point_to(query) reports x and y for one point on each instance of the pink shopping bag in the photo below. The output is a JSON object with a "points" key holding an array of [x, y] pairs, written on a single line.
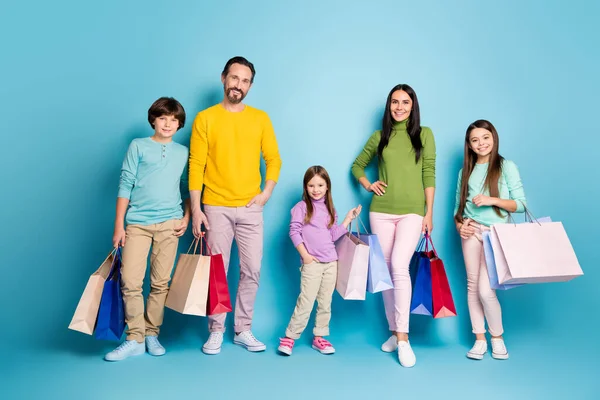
{"points": [[353, 267], [533, 253]]}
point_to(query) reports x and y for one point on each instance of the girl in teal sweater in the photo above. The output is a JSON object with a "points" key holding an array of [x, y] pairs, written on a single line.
{"points": [[488, 187]]}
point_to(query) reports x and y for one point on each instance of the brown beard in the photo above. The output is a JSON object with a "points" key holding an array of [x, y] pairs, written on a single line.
{"points": [[235, 100]]}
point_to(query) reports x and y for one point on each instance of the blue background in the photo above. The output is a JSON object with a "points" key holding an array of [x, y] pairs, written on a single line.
{"points": [[77, 79]]}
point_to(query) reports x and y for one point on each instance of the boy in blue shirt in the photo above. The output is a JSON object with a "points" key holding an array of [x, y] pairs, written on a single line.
{"points": [[153, 184]]}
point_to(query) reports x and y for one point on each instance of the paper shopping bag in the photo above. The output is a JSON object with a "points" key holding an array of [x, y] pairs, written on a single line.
{"points": [[353, 267], [86, 313], [443, 304], [533, 253], [219, 300], [188, 293], [422, 298], [491, 263]]}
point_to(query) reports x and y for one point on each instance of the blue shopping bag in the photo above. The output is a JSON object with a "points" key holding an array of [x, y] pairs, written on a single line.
{"points": [[420, 268], [491, 264], [111, 315], [378, 278]]}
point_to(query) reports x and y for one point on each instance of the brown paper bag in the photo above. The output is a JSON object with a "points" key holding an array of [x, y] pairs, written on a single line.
{"points": [[188, 293], [84, 319]]}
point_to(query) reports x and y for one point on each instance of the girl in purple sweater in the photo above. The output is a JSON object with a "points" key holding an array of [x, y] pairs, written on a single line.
{"points": [[313, 231]]}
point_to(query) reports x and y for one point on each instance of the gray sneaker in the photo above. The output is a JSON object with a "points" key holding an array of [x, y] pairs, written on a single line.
{"points": [[126, 349], [154, 347]]}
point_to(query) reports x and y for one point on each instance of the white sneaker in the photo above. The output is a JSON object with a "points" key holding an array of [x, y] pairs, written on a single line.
{"points": [[478, 350], [213, 344], [406, 356], [126, 349], [390, 345], [154, 347], [248, 340], [499, 351]]}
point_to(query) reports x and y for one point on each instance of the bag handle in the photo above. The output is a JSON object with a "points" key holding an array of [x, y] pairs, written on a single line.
{"points": [[528, 215], [429, 241], [113, 251], [114, 267], [420, 245], [197, 241], [357, 229]]}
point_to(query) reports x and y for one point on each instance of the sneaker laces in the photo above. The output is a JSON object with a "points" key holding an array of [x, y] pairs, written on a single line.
{"points": [[498, 346], [478, 346], [124, 346], [214, 338], [250, 336], [152, 341]]}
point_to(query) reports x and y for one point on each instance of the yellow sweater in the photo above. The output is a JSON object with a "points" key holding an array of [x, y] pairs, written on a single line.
{"points": [[225, 151]]}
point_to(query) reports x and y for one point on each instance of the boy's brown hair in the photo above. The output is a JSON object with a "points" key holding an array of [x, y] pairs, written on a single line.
{"points": [[166, 106]]}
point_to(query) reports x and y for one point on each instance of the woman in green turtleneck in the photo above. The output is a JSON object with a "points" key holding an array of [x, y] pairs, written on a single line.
{"points": [[402, 205]]}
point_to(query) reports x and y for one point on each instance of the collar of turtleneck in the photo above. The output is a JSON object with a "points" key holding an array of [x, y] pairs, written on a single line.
{"points": [[400, 126], [320, 201]]}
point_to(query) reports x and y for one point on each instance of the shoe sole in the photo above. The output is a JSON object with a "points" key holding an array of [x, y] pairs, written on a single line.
{"points": [[156, 353], [139, 353], [285, 350], [406, 365], [474, 356], [211, 352], [500, 356], [389, 351], [252, 349], [326, 352]]}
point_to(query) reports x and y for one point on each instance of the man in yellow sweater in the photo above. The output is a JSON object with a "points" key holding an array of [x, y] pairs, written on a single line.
{"points": [[226, 145]]}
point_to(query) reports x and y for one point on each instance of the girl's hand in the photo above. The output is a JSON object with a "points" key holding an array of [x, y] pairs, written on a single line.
{"points": [[465, 230], [427, 224], [377, 187], [481, 200], [182, 227], [119, 237], [353, 213], [308, 260]]}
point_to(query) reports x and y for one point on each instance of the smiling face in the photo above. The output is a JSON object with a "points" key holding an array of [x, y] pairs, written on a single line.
{"points": [[165, 127], [481, 142], [316, 188], [400, 105], [237, 83]]}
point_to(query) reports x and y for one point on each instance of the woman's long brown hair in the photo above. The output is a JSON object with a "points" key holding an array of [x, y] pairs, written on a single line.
{"points": [[470, 159], [313, 171]]}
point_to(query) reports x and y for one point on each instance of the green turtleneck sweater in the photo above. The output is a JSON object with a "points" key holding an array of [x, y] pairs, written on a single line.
{"points": [[406, 180]]}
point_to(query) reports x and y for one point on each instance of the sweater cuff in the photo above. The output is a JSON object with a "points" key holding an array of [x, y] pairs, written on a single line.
{"points": [[124, 193], [429, 182], [296, 239], [520, 206]]}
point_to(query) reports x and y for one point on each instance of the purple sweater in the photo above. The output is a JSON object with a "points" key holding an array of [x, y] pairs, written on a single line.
{"points": [[316, 236]]}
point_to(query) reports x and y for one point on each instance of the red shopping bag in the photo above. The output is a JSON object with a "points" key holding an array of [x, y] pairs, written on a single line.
{"points": [[443, 304], [219, 300]]}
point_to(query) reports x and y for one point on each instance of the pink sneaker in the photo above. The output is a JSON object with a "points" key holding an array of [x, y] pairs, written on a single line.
{"points": [[286, 345], [322, 346]]}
